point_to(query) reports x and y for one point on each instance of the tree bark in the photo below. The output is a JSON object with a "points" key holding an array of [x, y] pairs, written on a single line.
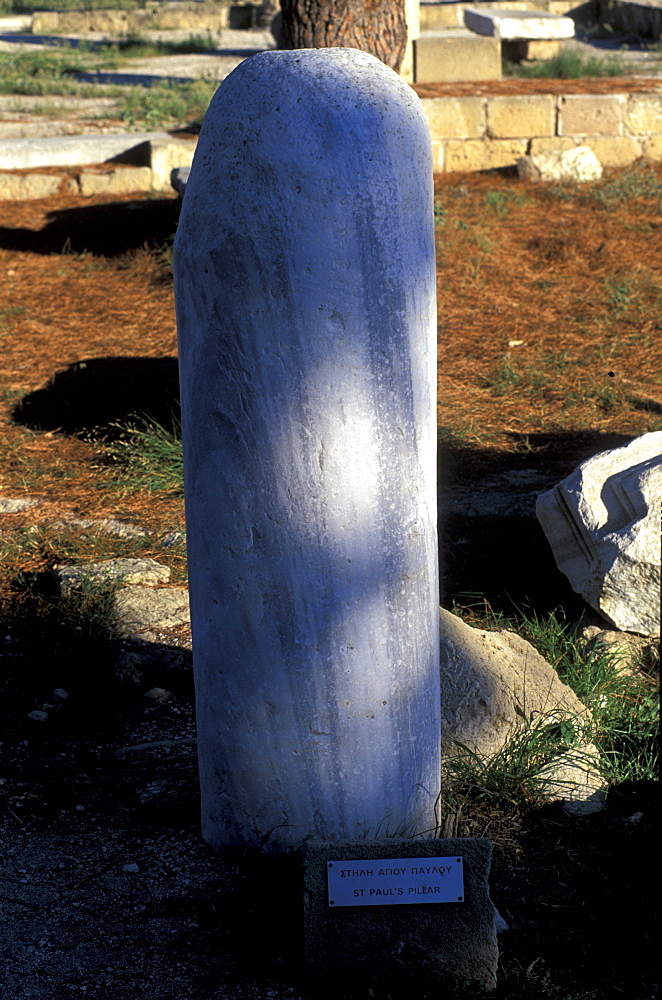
{"points": [[375, 26]]}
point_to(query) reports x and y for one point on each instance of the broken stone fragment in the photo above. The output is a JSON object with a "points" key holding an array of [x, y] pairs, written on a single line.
{"points": [[578, 164], [603, 525]]}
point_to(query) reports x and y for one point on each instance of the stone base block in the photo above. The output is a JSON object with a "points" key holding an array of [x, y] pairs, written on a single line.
{"points": [[28, 187], [400, 946], [477, 154], [121, 181], [456, 54]]}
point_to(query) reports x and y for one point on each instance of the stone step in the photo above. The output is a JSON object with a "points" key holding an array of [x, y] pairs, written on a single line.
{"points": [[515, 25], [454, 54]]}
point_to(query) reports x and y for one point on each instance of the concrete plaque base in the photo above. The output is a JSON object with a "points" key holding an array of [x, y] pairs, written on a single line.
{"points": [[431, 944]]}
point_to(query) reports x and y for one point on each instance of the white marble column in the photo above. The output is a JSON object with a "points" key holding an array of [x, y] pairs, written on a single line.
{"points": [[305, 291]]}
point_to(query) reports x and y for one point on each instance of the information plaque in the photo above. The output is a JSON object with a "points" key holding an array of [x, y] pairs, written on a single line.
{"points": [[388, 881]]}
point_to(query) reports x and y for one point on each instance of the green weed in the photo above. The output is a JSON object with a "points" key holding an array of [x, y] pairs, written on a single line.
{"points": [[567, 65], [149, 456]]}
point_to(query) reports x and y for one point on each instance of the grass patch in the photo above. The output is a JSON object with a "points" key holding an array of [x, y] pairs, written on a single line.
{"points": [[567, 65], [149, 456], [624, 706], [166, 102]]}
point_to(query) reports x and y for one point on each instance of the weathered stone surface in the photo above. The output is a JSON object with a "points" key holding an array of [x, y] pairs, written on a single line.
{"points": [[603, 525], [144, 607], [456, 54], [514, 117], [515, 24], [123, 180], [431, 945], [145, 572], [306, 308], [591, 114], [29, 187], [493, 683], [577, 164], [166, 156]]}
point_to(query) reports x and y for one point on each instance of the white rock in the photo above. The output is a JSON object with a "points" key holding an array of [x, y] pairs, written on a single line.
{"points": [[146, 572], [603, 524], [578, 164], [495, 683]]}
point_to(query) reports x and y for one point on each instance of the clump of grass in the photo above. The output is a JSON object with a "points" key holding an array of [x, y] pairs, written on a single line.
{"points": [[567, 65], [149, 456], [165, 102], [134, 46], [502, 201], [624, 705], [523, 771]]}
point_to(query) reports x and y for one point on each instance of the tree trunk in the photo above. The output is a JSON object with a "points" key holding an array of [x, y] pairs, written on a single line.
{"points": [[375, 26]]}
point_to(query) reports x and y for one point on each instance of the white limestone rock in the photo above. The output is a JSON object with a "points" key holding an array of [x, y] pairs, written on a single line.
{"points": [[146, 572], [494, 684], [578, 164], [603, 524]]}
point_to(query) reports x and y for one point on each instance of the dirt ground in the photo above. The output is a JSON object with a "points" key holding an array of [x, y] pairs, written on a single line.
{"points": [[549, 351]]}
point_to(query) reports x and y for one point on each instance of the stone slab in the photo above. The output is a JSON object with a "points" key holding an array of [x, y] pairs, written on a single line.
{"points": [[455, 54], [431, 944], [509, 24], [73, 150]]}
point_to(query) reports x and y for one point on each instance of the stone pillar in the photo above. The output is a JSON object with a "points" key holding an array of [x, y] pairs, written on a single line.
{"points": [[305, 291]]}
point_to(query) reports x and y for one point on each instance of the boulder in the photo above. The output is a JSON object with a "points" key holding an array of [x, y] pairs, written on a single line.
{"points": [[143, 607], [494, 685], [603, 524], [578, 164]]}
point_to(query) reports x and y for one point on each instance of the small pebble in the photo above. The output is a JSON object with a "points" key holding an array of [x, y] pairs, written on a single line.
{"points": [[131, 868], [38, 716]]}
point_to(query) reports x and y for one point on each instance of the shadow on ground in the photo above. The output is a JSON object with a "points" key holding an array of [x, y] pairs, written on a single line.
{"points": [[106, 230], [502, 554]]}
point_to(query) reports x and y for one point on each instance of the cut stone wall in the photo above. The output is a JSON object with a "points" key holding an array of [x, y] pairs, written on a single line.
{"points": [[481, 133]]}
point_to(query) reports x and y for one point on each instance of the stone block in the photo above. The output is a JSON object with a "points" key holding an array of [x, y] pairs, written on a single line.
{"points": [[556, 144], [441, 15], [577, 164], [643, 114], [603, 525], [27, 187], [120, 181], [516, 24], [591, 114], [516, 117], [165, 155], [76, 150], [456, 54], [615, 152], [429, 945], [455, 117], [142, 607], [652, 148], [486, 154]]}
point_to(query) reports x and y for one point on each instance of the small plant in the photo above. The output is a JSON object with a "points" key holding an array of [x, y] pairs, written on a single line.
{"points": [[150, 455], [567, 65]]}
